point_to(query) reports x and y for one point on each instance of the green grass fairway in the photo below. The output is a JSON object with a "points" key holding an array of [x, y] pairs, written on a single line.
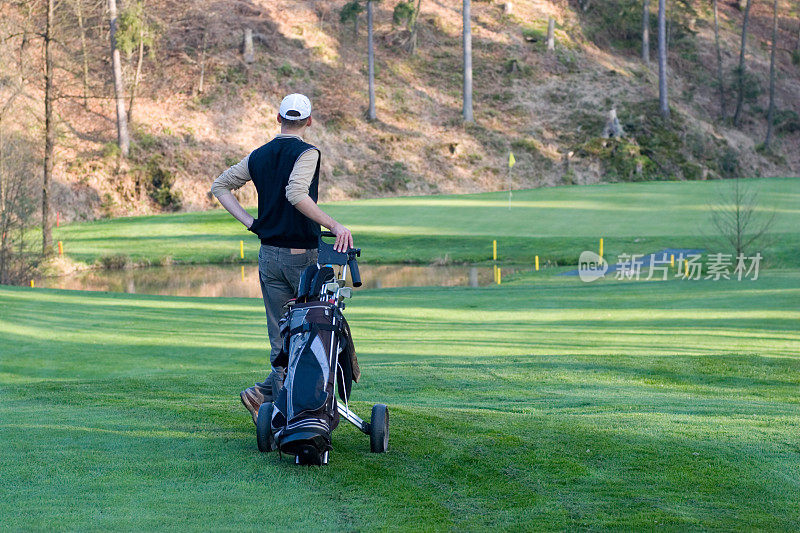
{"points": [[554, 223], [556, 405]]}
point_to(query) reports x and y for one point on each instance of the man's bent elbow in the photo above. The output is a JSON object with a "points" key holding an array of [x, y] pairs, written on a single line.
{"points": [[296, 197]]}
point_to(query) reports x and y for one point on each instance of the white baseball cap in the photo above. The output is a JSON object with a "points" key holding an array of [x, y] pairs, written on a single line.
{"points": [[295, 107]]}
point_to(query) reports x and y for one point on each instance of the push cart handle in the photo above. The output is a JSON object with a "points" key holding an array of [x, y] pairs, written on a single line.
{"points": [[355, 275]]}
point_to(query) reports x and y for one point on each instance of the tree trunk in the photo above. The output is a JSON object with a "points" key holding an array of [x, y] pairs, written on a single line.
{"points": [[467, 35], [123, 139], [737, 117], [355, 26], [201, 85], [85, 56], [136, 76], [551, 38], [248, 50], [720, 78], [646, 32], [771, 112], [412, 42], [50, 134], [663, 96], [371, 62]]}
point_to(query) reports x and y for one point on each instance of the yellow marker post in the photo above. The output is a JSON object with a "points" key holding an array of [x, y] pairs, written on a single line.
{"points": [[31, 284], [601, 248], [242, 272], [672, 260], [241, 249], [537, 263], [499, 276], [494, 273], [60, 248], [494, 250], [685, 268]]}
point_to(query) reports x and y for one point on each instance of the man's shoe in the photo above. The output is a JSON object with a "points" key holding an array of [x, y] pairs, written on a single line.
{"points": [[252, 399]]}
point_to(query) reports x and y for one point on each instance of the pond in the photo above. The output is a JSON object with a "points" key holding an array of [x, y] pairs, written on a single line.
{"points": [[238, 281]]}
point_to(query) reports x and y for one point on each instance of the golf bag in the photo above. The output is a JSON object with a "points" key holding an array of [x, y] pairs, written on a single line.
{"points": [[317, 351]]}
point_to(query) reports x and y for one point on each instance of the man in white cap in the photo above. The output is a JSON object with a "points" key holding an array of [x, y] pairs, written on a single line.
{"points": [[285, 172]]}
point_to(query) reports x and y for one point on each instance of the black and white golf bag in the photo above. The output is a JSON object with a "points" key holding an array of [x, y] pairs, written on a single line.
{"points": [[317, 352]]}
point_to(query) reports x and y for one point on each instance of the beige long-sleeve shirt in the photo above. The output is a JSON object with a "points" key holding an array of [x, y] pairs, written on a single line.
{"points": [[299, 180]]}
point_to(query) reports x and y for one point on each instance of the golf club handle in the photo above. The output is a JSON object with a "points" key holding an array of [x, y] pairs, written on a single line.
{"points": [[355, 275], [328, 234]]}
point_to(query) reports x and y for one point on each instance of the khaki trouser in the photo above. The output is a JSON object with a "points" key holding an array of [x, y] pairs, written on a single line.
{"points": [[279, 273]]}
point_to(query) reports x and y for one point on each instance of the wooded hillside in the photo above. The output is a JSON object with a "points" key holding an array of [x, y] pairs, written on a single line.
{"points": [[203, 98]]}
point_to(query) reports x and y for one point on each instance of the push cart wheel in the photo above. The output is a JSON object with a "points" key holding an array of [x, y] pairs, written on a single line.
{"points": [[264, 427], [379, 429]]}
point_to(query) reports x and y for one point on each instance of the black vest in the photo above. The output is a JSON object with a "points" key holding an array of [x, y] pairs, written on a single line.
{"points": [[279, 223]]}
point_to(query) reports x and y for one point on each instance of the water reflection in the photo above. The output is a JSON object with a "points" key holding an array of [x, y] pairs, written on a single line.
{"points": [[238, 281]]}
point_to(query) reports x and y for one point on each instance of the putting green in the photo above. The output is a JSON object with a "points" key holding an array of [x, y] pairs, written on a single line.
{"points": [[539, 404]]}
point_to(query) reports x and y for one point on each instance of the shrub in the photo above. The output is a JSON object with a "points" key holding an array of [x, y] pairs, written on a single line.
{"points": [[394, 178], [403, 13], [159, 184], [350, 11], [114, 262]]}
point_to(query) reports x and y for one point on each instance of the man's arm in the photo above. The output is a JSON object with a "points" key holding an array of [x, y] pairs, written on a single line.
{"points": [[233, 178], [297, 194], [343, 237]]}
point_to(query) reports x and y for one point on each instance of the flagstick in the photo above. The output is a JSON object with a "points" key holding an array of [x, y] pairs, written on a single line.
{"points": [[511, 162], [509, 189]]}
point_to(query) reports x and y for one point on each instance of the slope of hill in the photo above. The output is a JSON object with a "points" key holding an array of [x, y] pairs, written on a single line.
{"points": [[548, 108]]}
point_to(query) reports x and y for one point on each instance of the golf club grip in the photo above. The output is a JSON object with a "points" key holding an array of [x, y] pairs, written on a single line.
{"points": [[328, 234], [352, 264]]}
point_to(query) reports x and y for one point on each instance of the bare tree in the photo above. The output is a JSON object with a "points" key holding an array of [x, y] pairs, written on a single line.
{"points": [[646, 32], [740, 71], [551, 38], [84, 53], [720, 78], [49, 128], [371, 62], [18, 251], [412, 40], [738, 217], [467, 38], [136, 34], [771, 112], [123, 138], [663, 97]]}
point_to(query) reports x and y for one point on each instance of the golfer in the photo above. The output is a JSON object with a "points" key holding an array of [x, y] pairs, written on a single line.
{"points": [[285, 172]]}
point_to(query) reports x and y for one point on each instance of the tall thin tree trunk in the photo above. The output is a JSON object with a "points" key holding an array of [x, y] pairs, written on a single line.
{"points": [[720, 78], [646, 32], [201, 85], [49, 128], [123, 138], [467, 37], [248, 49], [412, 42], [663, 96], [771, 112], [551, 38], [355, 26], [371, 62], [85, 56], [737, 116], [136, 76]]}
